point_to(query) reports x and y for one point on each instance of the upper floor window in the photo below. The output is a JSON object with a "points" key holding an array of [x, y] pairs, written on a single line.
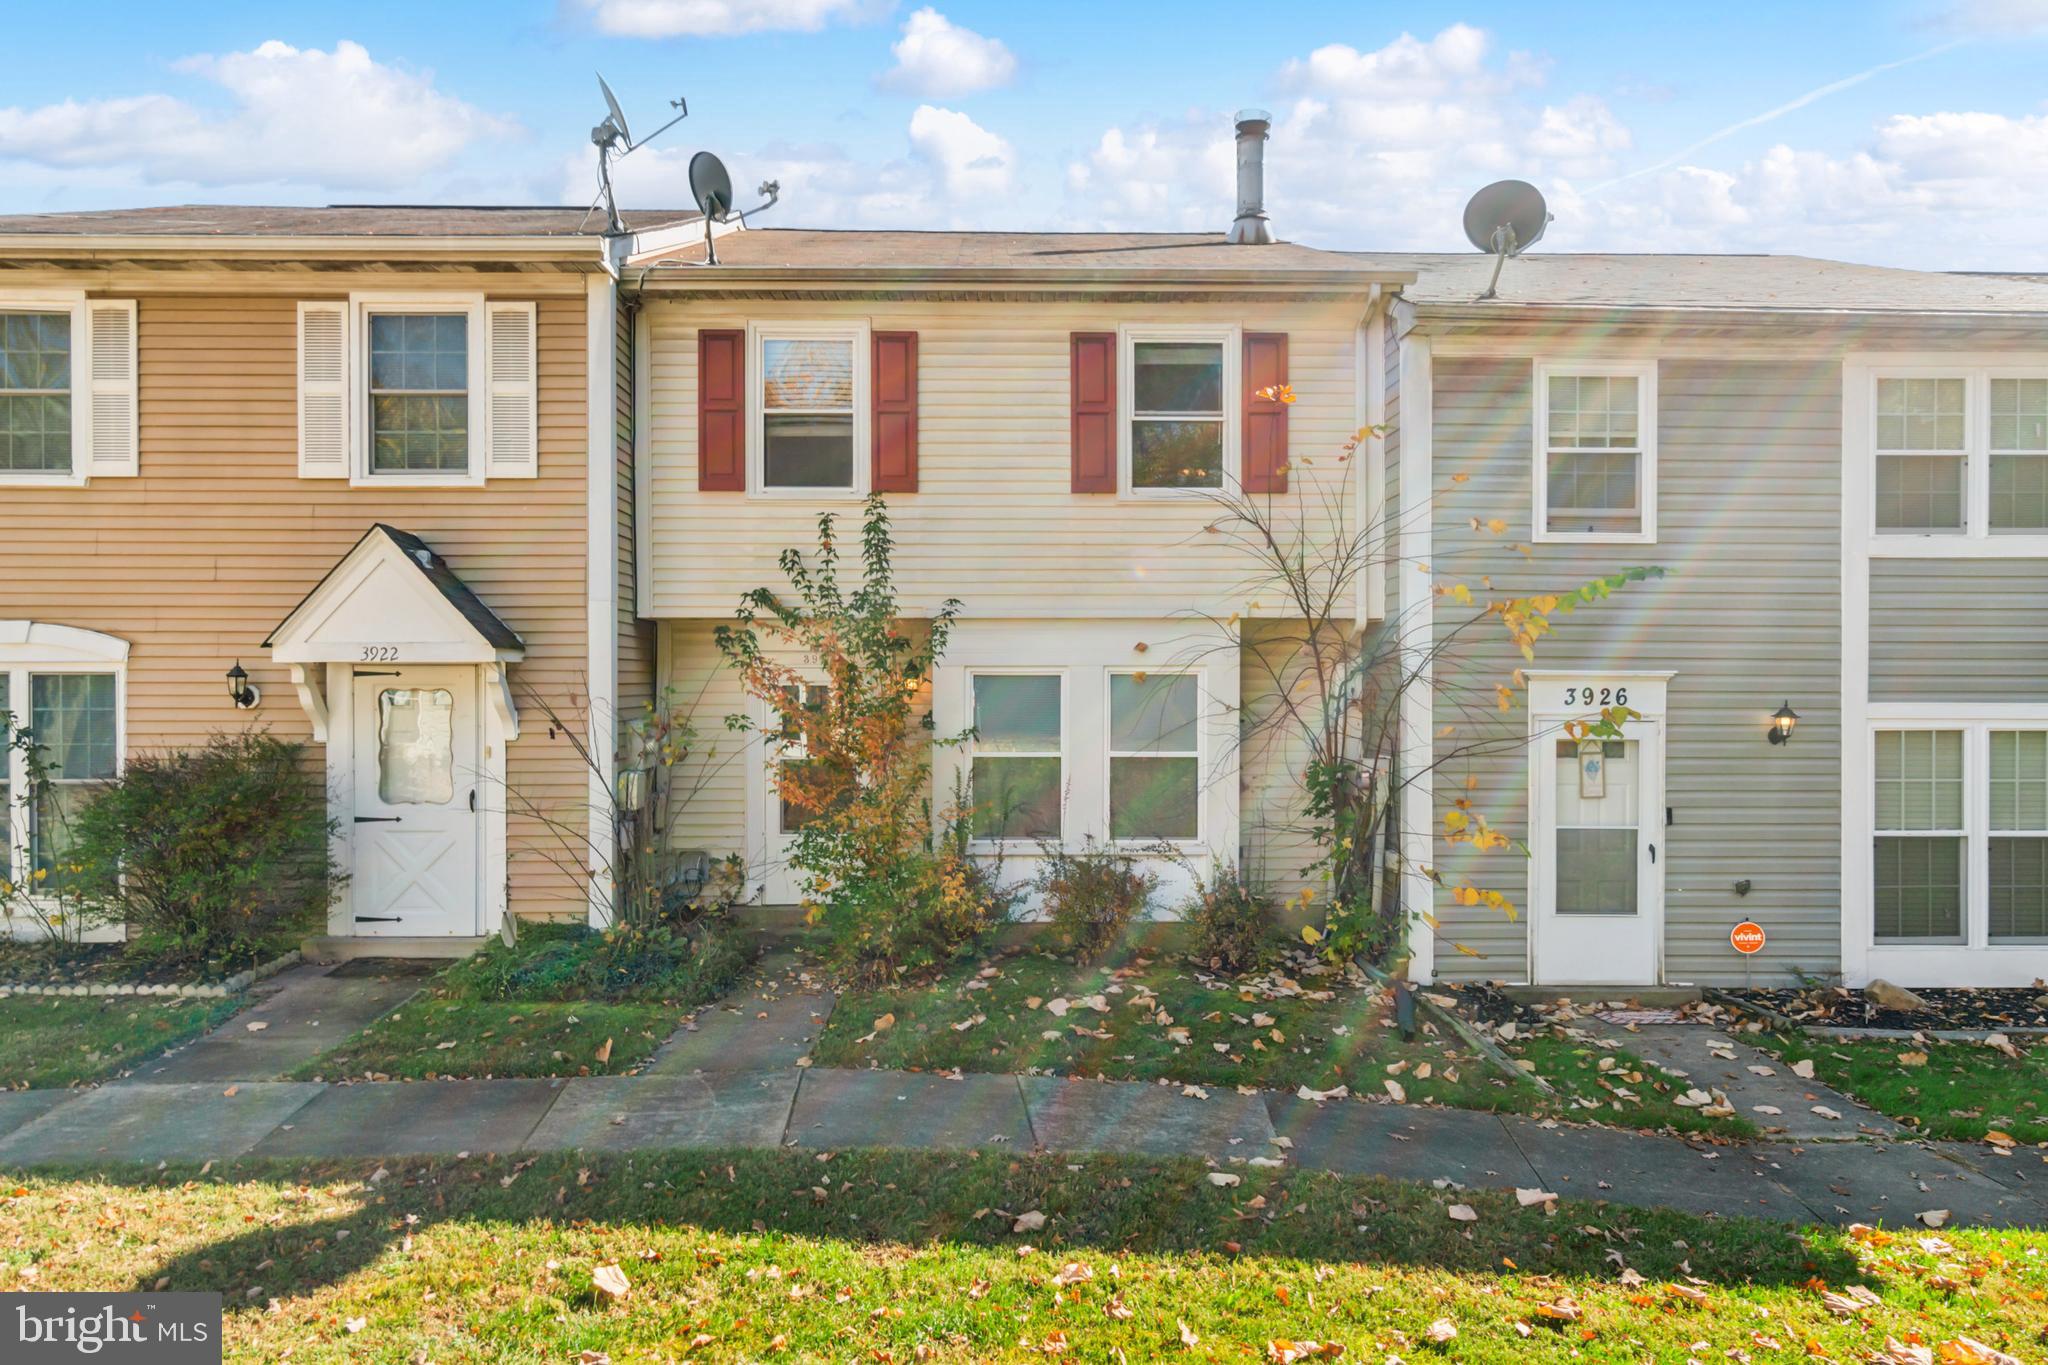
{"points": [[419, 392], [1596, 453], [1957, 455], [1181, 407], [35, 392], [810, 405]]}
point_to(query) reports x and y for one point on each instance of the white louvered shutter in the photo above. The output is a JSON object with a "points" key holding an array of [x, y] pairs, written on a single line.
{"points": [[109, 399], [511, 369], [323, 391]]}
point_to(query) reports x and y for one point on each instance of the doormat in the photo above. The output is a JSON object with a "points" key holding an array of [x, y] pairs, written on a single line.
{"points": [[1627, 1017]]}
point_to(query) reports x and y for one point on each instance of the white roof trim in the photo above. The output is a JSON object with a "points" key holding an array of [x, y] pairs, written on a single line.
{"points": [[42, 642], [378, 607]]}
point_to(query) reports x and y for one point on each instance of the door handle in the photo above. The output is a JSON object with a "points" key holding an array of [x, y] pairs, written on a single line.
{"points": [[472, 800], [1653, 853], [379, 819]]}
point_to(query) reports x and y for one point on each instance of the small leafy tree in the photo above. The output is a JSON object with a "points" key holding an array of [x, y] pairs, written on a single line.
{"points": [[853, 757], [44, 892], [207, 854]]}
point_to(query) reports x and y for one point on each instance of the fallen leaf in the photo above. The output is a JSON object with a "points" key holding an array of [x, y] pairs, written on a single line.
{"points": [[1194, 1092], [1933, 1218], [1912, 1059], [1527, 1197], [1826, 1112], [1223, 1179], [1057, 1007], [1803, 1069], [885, 1023], [1073, 1272], [611, 1281], [1119, 1310], [1187, 1337], [1463, 1213], [257, 1025], [1968, 1351], [1394, 1090], [355, 1325], [1028, 1222], [1441, 1331]]}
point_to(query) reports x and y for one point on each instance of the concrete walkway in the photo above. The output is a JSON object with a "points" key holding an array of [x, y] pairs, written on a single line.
{"points": [[298, 1014], [1757, 1085], [734, 1079]]}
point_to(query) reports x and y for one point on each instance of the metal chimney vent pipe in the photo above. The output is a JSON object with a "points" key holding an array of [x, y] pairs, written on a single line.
{"points": [[1251, 225]]}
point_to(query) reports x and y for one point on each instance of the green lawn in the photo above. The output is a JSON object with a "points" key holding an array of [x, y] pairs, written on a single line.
{"points": [[1944, 1090], [772, 1256], [1160, 1019], [431, 1036], [49, 1041]]}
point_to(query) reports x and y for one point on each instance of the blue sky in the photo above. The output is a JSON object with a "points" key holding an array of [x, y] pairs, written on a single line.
{"points": [[983, 115]]}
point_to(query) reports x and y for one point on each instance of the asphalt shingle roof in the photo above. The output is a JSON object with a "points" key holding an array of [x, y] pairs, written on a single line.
{"points": [[340, 220]]}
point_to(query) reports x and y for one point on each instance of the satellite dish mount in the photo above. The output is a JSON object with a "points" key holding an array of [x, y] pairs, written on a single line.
{"points": [[614, 139], [711, 187], [1505, 219]]}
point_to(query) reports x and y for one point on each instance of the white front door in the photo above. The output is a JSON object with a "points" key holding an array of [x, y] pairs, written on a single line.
{"points": [[782, 883], [415, 802], [1597, 877]]}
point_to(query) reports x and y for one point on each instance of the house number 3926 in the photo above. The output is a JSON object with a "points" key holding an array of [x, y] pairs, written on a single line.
{"points": [[1596, 696], [380, 654]]}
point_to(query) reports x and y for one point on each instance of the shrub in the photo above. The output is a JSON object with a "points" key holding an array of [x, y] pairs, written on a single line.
{"points": [[1091, 896], [210, 853], [555, 961], [1231, 922]]}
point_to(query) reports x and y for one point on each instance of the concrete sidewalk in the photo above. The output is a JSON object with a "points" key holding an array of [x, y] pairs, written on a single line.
{"points": [[836, 1110]]}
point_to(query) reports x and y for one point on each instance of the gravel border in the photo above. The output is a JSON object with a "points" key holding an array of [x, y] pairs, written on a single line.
{"points": [[211, 990]]}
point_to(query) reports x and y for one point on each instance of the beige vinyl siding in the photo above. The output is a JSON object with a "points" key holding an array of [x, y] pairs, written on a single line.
{"points": [[1388, 543], [1961, 630], [994, 522], [712, 785], [636, 637], [197, 559], [1749, 532]]}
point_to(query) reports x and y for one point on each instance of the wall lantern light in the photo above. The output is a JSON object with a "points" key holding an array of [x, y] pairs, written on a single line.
{"points": [[1782, 722], [243, 693]]}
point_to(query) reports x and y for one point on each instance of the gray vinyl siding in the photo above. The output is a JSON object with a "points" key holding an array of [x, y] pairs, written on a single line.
{"points": [[1960, 630], [1749, 616]]}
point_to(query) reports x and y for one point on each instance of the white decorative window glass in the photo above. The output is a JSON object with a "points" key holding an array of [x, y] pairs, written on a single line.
{"points": [[1921, 836], [1922, 453], [2019, 454], [1597, 835], [73, 717], [419, 393], [2018, 900], [415, 746], [35, 393], [1154, 756], [1593, 467], [793, 751], [1177, 414], [1016, 779], [807, 412]]}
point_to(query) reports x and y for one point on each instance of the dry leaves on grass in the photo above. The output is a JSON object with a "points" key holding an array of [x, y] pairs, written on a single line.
{"points": [[611, 1281], [1463, 1213], [1285, 1352], [1187, 1336], [604, 1054], [1441, 1332], [1028, 1222]]}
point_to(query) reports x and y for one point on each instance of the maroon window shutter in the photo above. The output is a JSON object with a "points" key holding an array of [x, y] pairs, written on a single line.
{"points": [[895, 412], [1265, 419], [1094, 412], [722, 410]]}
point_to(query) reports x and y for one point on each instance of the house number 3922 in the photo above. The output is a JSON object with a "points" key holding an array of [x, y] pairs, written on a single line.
{"points": [[1596, 696], [380, 654]]}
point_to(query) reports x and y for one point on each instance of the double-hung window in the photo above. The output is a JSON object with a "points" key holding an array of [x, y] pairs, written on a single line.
{"points": [[1922, 452], [72, 717], [1596, 453], [35, 392], [1958, 456], [1155, 756], [2019, 454], [809, 409], [1960, 853], [1017, 756], [1181, 408], [419, 392]]}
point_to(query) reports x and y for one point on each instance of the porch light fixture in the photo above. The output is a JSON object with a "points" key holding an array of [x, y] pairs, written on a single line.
{"points": [[243, 693], [1781, 724]]}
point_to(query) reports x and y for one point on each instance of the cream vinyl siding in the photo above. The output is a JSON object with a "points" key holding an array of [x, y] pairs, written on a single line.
{"points": [[713, 782], [636, 637], [1749, 532], [1958, 630], [994, 522], [194, 561]]}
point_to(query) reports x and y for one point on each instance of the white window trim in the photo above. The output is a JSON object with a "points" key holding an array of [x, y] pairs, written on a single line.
{"points": [[471, 306], [70, 301], [28, 648], [858, 333], [1231, 338], [1644, 372], [1860, 373], [968, 675], [1940, 962], [1110, 754]]}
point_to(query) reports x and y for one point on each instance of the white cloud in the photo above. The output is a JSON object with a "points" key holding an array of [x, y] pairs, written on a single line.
{"points": [[938, 59], [1997, 16], [970, 160], [721, 18], [295, 116]]}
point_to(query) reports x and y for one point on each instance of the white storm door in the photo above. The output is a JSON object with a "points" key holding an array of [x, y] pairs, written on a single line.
{"points": [[783, 883], [1597, 877], [415, 803]]}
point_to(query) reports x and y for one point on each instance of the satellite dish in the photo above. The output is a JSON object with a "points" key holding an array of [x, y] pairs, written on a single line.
{"points": [[1505, 219], [710, 186], [618, 114]]}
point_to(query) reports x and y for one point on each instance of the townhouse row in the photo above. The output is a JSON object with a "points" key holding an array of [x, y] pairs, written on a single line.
{"points": [[455, 487]]}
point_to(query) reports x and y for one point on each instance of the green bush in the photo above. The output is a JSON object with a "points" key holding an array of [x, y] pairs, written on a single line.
{"points": [[217, 853], [1091, 897], [555, 961], [1231, 923]]}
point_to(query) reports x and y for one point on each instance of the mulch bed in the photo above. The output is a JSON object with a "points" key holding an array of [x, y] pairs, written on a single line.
{"points": [[108, 964], [1973, 1009]]}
